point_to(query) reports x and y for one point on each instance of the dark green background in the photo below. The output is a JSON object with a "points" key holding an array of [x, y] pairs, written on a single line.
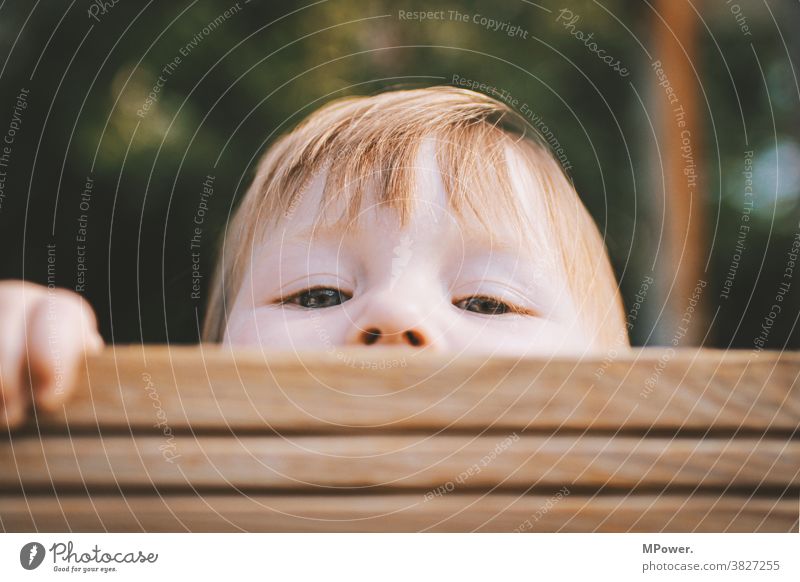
{"points": [[264, 68]]}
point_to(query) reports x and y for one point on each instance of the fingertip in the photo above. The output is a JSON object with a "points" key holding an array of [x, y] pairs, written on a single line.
{"points": [[95, 344], [12, 415], [50, 396], [60, 340]]}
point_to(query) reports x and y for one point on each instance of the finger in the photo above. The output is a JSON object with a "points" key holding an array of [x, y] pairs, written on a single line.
{"points": [[16, 301], [62, 330], [12, 402], [13, 411]]}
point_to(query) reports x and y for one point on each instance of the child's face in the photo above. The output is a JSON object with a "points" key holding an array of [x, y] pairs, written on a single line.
{"points": [[434, 284]]}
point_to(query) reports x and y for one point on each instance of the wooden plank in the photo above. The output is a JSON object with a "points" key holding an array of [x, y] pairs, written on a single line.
{"points": [[424, 462], [399, 513], [166, 388]]}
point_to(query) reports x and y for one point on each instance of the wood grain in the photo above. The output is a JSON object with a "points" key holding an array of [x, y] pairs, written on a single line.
{"points": [[400, 513], [366, 463], [202, 439], [158, 388]]}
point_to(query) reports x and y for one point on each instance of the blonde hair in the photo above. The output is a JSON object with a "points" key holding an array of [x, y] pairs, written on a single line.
{"points": [[374, 141]]}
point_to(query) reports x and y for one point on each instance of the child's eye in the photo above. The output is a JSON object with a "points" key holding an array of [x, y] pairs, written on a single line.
{"points": [[485, 305], [317, 298]]}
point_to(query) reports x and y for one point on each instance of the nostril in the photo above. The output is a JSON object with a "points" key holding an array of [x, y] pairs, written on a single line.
{"points": [[414, 338], [371, 335]]}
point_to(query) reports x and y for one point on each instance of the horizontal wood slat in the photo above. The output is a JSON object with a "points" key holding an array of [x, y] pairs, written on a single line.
{"points": [[160, 438], [401, 513], [423, 462], [159, 388]]}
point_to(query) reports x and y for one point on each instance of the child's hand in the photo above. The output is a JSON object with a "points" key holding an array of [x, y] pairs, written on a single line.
{"points": [[48, 329]]}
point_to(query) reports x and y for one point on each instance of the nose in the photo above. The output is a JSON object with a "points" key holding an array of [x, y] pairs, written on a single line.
{"points": [[411, 337], [393, 323]]}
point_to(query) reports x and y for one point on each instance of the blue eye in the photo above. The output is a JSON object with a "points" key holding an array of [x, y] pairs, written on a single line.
{"points": [[485, 305], [317, 298]]}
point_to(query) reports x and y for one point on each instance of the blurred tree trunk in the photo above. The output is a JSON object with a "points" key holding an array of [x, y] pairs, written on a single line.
{"points": [[677, 99]]}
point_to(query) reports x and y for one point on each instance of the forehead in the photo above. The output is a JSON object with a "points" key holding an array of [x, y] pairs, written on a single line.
{"points": [[319, 214]]}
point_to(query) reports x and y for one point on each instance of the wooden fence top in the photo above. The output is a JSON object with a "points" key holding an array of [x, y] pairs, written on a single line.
{"points": [[200, 438], [210, 387]]}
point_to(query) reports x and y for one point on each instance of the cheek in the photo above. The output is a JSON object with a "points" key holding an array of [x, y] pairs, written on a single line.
{"points": [[275, 329], [521, 337], [550, 338]]}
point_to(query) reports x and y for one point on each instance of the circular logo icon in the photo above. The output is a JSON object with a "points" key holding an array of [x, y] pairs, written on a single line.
{"points": [[31, 555]]}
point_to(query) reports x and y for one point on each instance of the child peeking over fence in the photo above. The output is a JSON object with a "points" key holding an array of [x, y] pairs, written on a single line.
{"points": [[431, 219]]}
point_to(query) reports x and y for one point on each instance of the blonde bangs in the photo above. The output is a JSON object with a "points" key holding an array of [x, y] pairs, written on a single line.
{"points": [[369, 147]]}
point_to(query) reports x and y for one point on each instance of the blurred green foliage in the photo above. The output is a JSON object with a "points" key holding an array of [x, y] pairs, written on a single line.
{"points": [[253, 75]]}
